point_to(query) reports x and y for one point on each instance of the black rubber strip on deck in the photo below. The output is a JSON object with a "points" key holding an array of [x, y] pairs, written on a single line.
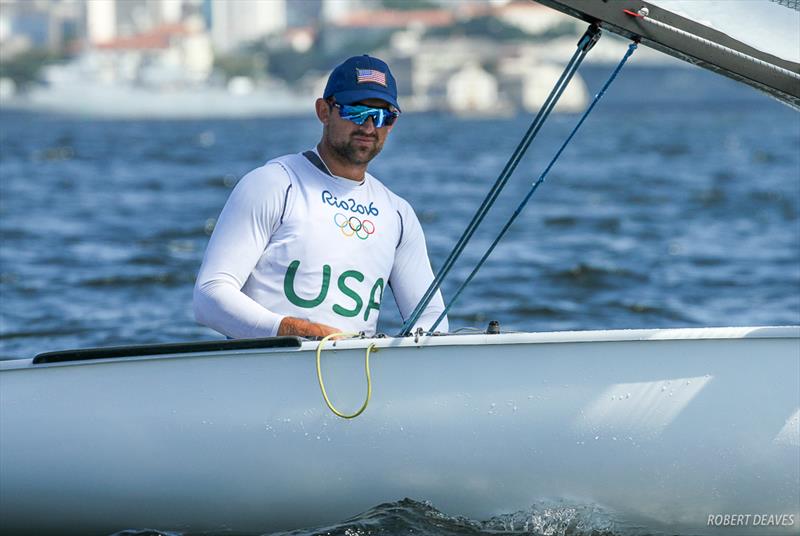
{"points": [[142, 350]]}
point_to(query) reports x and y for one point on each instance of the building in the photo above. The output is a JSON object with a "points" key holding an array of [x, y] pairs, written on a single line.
{"points": [[234, 24], [40, 24]]}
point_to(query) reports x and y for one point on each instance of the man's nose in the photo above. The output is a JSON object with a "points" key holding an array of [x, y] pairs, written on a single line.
{"points": [[369, 124]]}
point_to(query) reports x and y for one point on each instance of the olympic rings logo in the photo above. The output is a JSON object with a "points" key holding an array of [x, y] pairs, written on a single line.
{"points": [[353, 226]]}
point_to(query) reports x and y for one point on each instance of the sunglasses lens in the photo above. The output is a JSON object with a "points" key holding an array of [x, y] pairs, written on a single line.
{"points": [[358, 119], [379, 118], [359, 114], [391, 117]]}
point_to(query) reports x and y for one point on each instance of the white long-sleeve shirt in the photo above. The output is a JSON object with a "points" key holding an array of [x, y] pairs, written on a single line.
{"points": [[294, 240]]}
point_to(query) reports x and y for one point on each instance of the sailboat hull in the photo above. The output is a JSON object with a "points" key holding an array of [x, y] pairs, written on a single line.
{"points": [[664, 428]]}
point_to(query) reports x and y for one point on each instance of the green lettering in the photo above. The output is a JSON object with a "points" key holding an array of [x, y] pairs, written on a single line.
{"points": [[338, 309], [288, 286], [373, 303]]}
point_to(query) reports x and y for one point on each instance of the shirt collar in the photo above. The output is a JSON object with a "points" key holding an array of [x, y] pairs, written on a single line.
{"points": [[316, 160]]}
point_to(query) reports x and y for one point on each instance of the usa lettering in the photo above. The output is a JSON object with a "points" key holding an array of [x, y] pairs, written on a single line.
{"points": [[353, 304]]}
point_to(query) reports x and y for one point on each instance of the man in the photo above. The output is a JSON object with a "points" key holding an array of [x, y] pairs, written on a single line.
{"points": [[307, 243]]}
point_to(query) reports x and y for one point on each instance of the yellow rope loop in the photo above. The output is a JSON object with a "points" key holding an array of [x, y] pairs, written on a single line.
{"points": [[370, 348]]}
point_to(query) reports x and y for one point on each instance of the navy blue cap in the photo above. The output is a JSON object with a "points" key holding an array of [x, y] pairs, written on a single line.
{"points": [[360, 78]]}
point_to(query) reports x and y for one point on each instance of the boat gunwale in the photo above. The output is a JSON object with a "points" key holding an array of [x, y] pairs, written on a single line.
{"points": [[252, 347]]}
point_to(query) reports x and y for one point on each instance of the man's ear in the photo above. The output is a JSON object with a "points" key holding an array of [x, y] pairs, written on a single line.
{"points": [[323, 111]]}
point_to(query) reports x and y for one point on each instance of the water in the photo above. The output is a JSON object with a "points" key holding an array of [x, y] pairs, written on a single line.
{"points": [[409, 517], [662, 213]]}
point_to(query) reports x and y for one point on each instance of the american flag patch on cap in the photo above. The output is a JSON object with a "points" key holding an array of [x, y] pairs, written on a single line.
{"points": [[365, 76]]}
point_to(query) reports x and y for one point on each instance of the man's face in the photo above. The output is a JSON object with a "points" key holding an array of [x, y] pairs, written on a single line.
{"points": [[356, 144]]}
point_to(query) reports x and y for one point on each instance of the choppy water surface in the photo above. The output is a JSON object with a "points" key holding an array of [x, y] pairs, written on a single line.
{"points": [[664, 213], [407, 517]]}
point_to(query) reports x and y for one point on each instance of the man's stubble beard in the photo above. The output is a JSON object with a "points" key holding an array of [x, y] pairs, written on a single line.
{"points": [[349, 153]]}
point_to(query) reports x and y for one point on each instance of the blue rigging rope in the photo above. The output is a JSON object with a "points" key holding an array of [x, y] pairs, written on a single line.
{"points": [[535, 185], [585, 44]]}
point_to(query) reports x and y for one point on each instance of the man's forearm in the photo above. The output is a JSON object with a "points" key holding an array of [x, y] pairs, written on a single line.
{"points": [[304, 328]]}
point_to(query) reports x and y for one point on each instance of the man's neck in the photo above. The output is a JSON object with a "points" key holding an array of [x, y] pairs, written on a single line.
{"points": [[339, 167]]}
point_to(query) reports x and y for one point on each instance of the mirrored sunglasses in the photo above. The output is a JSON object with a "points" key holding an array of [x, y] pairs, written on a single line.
{"points": [[358, 114]]}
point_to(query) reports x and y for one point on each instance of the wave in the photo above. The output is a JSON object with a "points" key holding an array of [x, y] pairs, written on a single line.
{"points": [[163, 279], [409, 516], [589, 275]]}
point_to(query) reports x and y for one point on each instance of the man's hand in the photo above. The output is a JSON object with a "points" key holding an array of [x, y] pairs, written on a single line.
{"points": [[304, 328]]}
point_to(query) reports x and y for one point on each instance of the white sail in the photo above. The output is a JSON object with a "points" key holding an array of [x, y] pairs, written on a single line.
{"points": [[766, 25], [756, 42]]}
